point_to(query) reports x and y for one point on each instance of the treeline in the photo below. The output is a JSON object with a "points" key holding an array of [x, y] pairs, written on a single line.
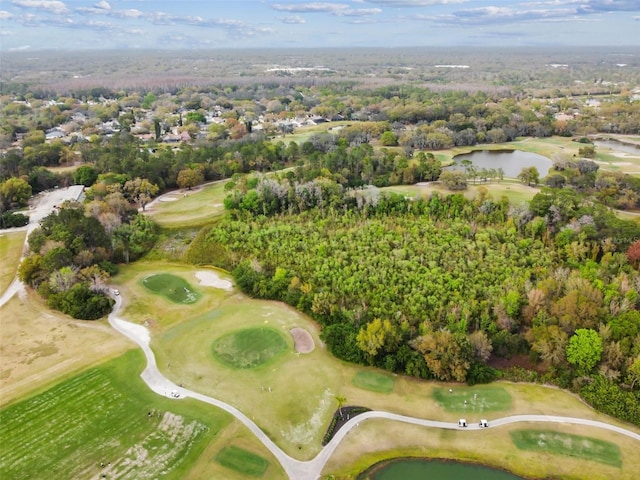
{"points": [[75, 251], [441, 287]]}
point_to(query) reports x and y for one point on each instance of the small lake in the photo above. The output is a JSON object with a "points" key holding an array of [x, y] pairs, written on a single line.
{"points": [[421, 469], [511, 161], [616, 146]]}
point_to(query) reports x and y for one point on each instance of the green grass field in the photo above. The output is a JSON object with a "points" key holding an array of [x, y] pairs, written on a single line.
{"points": [[172, 287], [11, 244], [197, 208], [373, 381], [105, 415], [476, 399], [515, 191], [557, 443], [303, 134], [242, 461], [249, 348]]}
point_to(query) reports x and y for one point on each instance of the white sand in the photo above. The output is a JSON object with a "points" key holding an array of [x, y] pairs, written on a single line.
{"points": [[212, 279]]}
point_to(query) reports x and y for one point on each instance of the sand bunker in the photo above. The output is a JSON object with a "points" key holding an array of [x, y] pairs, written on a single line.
{"points": [[212, 279], [302, 339]]}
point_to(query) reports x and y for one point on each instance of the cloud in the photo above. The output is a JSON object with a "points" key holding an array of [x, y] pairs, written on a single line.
{"points": [[20, 49], [4, 15], [602, 6], [533, 11], [414, 3], [104, 8], [49, 5], [495, 15], [313, 7], [292, 19], [335, 9]]}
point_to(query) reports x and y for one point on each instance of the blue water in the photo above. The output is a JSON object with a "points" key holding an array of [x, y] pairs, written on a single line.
{"points": [[511, 161]]}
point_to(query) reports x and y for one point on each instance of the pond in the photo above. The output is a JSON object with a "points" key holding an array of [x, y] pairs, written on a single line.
{"points": [[614, 145], [419, 469], [511, 161]]}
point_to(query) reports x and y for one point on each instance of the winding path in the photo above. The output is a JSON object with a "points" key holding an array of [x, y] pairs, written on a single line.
{"points": [[312, 469]]}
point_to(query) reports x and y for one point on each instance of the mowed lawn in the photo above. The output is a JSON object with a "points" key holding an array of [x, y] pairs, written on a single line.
{"points": [[473, 400], [39, 346], [11, 244], [104, 421], [186, 208], [249, 347], [559, 443], [172, 287], [373, 381], [243, 461], [159, 312], [291, 396], [515, 191]]}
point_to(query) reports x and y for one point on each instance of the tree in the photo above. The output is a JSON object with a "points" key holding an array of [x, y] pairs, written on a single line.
{"points": [[634, 372], [190, 177], [584, 350], [448, 355], [14, 192], [550, 343], [529, 175], [481, 345], [86, 175], [588, 151], [377, 336], [453, 179], [141, 191], [388, 139], [341, 401], [633, 254]]}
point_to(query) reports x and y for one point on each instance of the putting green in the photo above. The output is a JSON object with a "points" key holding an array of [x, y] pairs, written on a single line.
{"points": [[475, 399], [373, 381], [172, 287], [567, 444], [249, 348], [242, 461]]}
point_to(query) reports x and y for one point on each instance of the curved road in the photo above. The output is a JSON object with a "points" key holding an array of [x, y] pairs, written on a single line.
{"points": [[311, 470]]}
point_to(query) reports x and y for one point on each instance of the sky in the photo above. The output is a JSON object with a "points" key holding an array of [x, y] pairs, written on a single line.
{"points": [[33, 25]]}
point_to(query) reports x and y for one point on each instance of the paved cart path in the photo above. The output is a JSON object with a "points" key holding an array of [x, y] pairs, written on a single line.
{"points": [[311, 470]]}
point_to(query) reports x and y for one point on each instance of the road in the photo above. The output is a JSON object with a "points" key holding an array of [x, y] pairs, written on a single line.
{"points": [[312, 469]]}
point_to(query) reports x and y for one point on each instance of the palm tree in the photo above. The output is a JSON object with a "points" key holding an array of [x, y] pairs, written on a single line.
{"points": [[341, 400]]}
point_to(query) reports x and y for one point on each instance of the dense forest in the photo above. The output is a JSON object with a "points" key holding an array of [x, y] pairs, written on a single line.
{"points": [[445, 287]]}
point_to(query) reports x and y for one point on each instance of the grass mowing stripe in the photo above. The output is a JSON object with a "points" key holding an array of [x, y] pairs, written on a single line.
{"points": [[373, 381], [101, 415], [567, 444], [476, 399], [249, 348], [242, 461]]}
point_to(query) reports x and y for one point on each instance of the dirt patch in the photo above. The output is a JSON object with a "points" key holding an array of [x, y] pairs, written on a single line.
{"points": [[212, 279], [302, 339]]}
